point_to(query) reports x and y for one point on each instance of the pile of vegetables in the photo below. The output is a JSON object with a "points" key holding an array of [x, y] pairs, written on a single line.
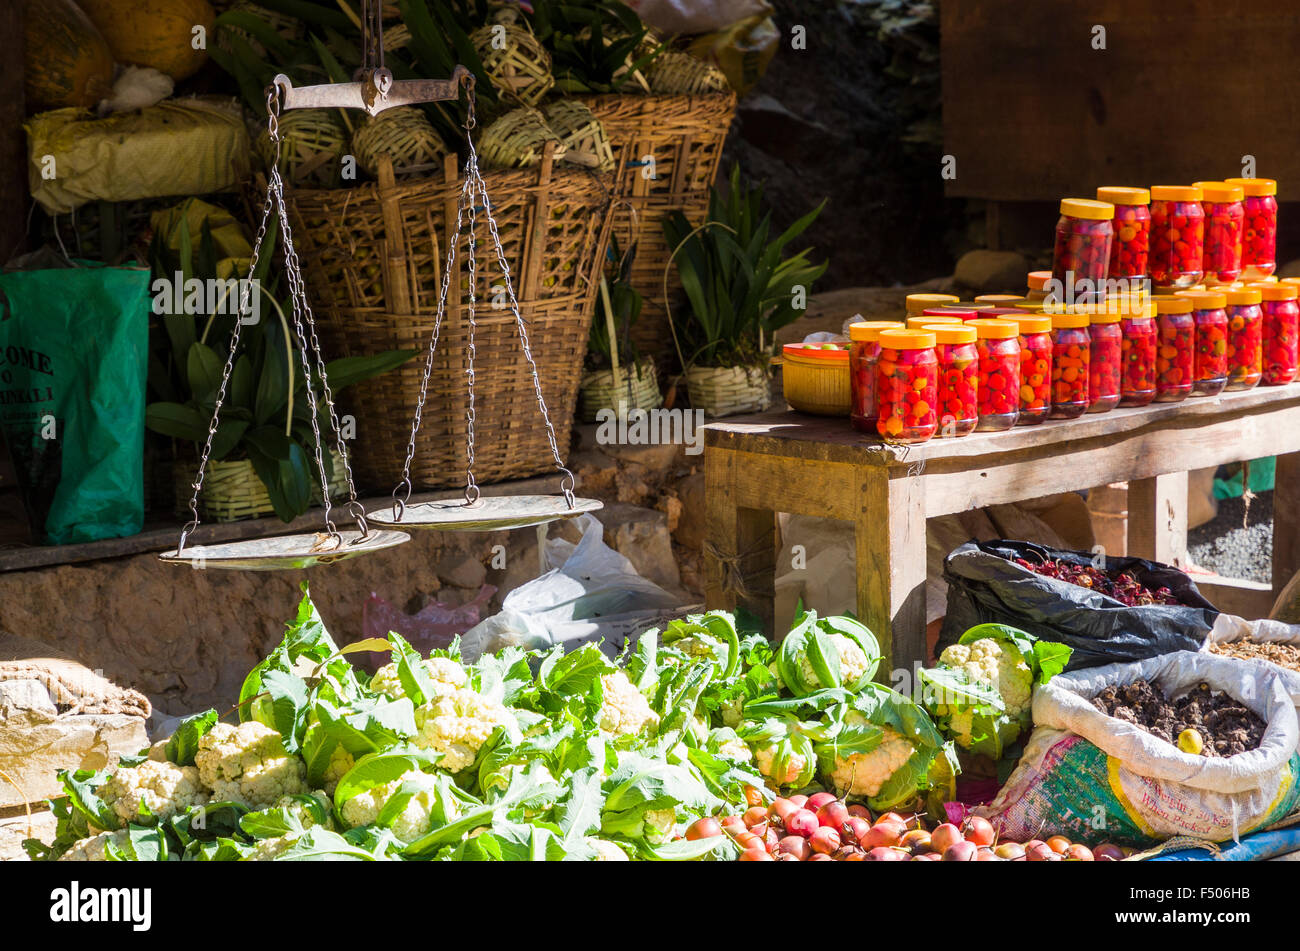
{"points": [[555, 755]]}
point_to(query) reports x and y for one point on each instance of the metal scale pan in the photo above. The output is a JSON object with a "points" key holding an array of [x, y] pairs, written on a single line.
{"points": [[285, 552], [487, 514]]}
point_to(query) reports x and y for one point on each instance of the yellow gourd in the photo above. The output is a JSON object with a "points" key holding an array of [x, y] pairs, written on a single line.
{"points": [[67, 61], [157, 33]]}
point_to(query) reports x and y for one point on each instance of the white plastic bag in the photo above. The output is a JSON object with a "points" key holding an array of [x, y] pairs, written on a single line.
{"points": [[589, 593], [1228, 627]]}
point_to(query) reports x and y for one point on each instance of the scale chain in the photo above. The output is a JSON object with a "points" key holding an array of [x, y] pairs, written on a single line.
{"points": [[566, 484], [399, 505], [471, 264]]}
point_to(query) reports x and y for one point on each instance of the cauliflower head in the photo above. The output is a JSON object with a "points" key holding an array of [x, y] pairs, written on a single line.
{"points": [[853, 661], [266, 850], [248, 764], [1000, 666], [607, 851], [623, 710], [412, 822], [446, 674], [93, 849], [341, 761], [457, 724], [163, 788], [863, 774], [795, 764], [660, 824]]}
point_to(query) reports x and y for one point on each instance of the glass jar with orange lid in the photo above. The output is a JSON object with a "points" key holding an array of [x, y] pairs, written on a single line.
{"points": [[1105, 355], [1035, 340], [1259, 237], [864, 353], [1176, 353], [1245, 337], [917, 303], [1070, 354], [1281, 331], [1082, 250], [998, 345], [1177, 236], [1137, 327], [907, 386], [1225, 218], [1210, 367], [920, 323], [958, 376], [1036, 282], [1132, 223]]}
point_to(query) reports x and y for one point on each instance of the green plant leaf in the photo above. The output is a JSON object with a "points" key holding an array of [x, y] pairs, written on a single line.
{"points": [[178, 420], [184, 741]]}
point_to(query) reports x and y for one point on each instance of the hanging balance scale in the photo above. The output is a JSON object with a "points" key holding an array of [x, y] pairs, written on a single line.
{"points": [[376, 91]]}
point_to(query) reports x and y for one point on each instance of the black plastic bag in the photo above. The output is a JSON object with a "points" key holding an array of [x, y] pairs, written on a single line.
{"points": [[985, 586]]}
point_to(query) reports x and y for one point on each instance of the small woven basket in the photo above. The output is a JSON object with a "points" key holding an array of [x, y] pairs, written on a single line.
{"points": [[311, 146], [726, 391], [681, 74], [290, 27], [581, 134], [405, 135], [517, 140], [232, 491], [638, 389], [517, 64]]}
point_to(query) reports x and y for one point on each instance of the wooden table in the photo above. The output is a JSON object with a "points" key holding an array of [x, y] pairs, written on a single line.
{"points": [[757, 466]]}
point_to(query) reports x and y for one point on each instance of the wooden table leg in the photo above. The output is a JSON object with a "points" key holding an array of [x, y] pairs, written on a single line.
{"points": [[1286, 520], [891, 567], [1157, 518], [740, 545]]}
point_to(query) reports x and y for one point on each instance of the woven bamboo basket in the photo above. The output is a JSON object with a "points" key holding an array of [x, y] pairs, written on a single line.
{"points": [[405, 135], [681, 74], [554, 226], [683, 135], [517, 140], [638, 389], [726, 391], [583, 137], [312, 144], [517, 64], [232, 491]]}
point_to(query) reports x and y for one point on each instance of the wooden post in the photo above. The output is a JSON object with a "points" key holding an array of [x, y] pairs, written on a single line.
{"points": [[1157, 518], [891, 566], [1286, 520], [740, 545]]}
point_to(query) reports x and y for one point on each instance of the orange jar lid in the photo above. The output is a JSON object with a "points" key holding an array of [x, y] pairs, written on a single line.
{"points": [[952, 333], [1279, 291], [907, 339], [1205, 300], [916, 303], [1255, 187], [1123, 195], [1242, 296], [1219, 191], [1033, 324], [1173, 305], [995, 328], [922, 322], [1063, 321], [1087, 208], [1037, 280], [1175, 193], [868, 330], [999, 300], [1107, 315]]}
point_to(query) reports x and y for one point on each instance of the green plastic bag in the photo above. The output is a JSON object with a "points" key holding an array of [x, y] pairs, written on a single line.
{"points": [[73, 361]]}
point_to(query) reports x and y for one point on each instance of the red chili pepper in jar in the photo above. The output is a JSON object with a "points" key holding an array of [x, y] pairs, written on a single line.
{"points": [[1104, 356], [1131, 244], [1070, 357], [958, 377], [1177, 235], [1259, 237], [1137, 386], [907, 386], [864, 352], [998, 345], [1281, 330], [1225, 218], [1176, 353], [1035, 368], [1245, 337], [1082, 249], [1210, 369]]}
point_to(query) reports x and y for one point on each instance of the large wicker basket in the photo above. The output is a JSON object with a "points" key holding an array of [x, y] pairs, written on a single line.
{"points": [[374, 257], [232, 490], [684, 135]]}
